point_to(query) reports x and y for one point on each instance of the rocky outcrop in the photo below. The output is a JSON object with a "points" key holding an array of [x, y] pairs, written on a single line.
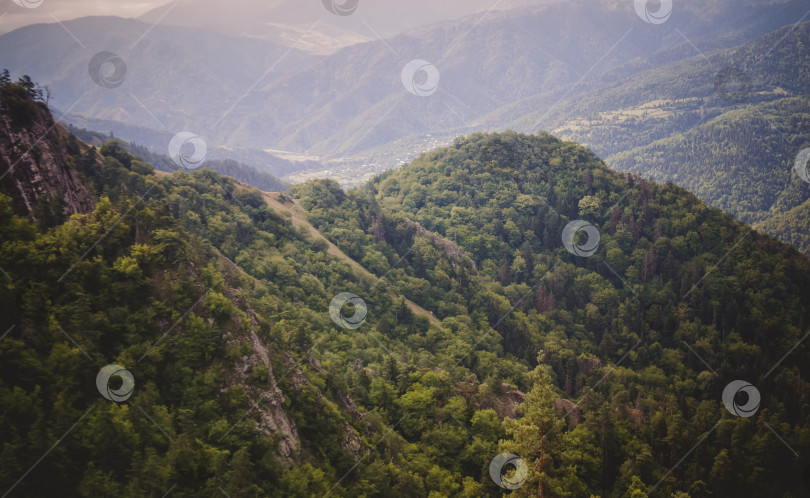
{"points": [[34, 163], [504, 404], [451, 251], [268, 400], [274, 419], [512, 397], [569, 409], [586, 365]]}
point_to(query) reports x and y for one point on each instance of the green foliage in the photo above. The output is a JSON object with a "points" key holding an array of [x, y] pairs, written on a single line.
{"points": [[654, 283], [219, 307], [21, 99], [192, 283], [741, 162], [792, 226]]}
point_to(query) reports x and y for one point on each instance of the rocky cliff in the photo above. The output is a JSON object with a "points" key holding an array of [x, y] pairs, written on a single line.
{"points": [[34, 164]]}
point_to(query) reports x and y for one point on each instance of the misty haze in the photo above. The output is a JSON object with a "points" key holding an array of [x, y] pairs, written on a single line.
{"points": [[453, 248]]}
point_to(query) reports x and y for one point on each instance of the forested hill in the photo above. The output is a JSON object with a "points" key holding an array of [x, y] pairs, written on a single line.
{"points": [[727, 125], [676, 301], [793, 225], [238, 171], [218, 307], [603, 371]]}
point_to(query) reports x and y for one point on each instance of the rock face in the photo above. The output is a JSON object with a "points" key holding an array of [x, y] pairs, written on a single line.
{"points": [[450, 250], [569, 409], [585, 365], [503, 405], [34, 163], [269, 401]]}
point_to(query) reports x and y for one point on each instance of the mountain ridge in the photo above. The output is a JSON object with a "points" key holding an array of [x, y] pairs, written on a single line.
{"points": [[288, 130], [586, 324]]}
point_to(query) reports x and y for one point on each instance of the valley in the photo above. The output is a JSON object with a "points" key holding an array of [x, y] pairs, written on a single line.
{"points": [[645, 93], [532, 249]]}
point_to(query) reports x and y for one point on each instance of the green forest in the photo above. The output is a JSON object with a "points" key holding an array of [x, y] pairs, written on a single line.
{"points": [[484, 334], [726, 125], [741, 162]]}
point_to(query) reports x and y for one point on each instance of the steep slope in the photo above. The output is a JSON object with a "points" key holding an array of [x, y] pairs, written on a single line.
{"points": [[636, 340], [35, 169], [288, 207], [219, 308], [792, 226], [742, 161]]}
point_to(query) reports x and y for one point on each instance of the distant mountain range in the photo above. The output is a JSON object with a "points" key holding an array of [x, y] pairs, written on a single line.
{"points": [[672, 124], [241, 172], [268, 18], [239, 91], [637, 93]]}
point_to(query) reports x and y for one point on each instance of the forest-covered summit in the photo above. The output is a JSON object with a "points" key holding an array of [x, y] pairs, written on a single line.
{"points": [[679, 298], [587, 368]]}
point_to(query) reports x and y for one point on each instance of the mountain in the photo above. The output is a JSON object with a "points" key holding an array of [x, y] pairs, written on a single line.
{"points": [[368, 19], [518, 315], [671, 124], [589, 71], [636, 343], [354, 99], [241, 172], [244, 92]]}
